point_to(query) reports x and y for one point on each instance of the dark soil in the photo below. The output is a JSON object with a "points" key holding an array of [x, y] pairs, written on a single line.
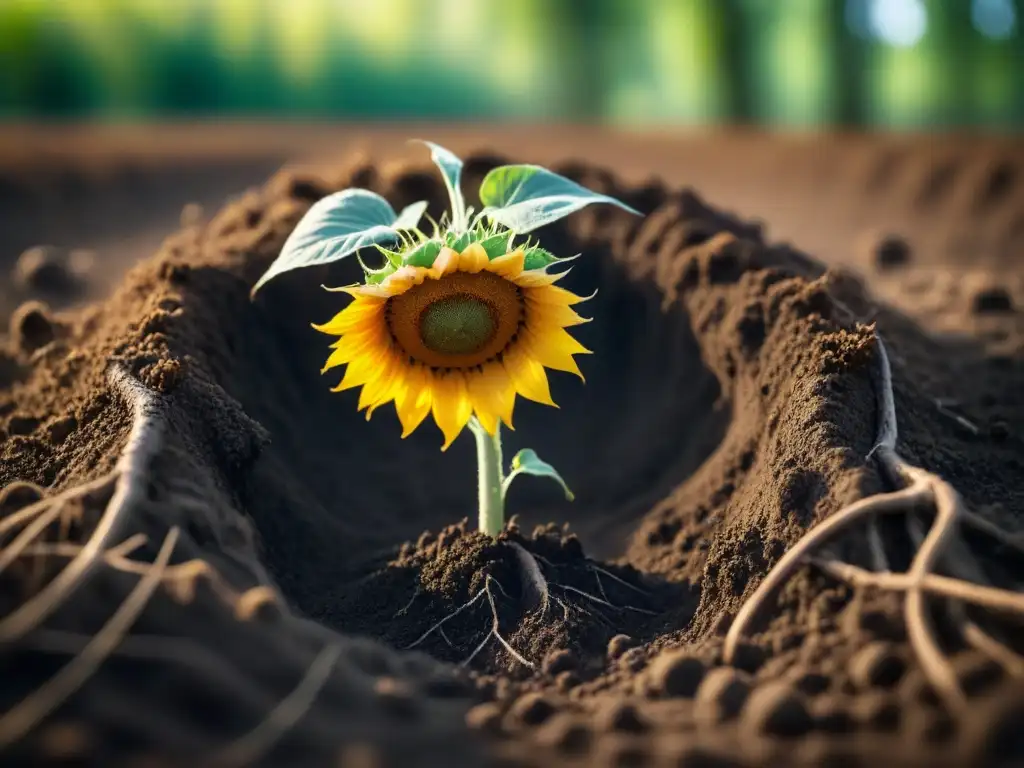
{"points": [[730, 407], [419, 600]]}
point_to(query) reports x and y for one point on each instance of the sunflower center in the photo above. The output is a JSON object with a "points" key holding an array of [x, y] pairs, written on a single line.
{"points": [[457, 325], [459, 321]]}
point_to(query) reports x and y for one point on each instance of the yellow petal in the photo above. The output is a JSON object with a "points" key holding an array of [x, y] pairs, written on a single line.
{"points": [[508, 266], [413, 400], [376, 388], [447, 261], [528, 375], [370, 343], [360, 291], [554, 348], [536, 278], [560, 315], [473, 258], [387, 386], [358, 372], [360, 313], [492, 394], [553, 294], [451, 405]]}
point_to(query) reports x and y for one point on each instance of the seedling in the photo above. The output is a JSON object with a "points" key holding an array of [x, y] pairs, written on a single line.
{"points": [[456, 322]]}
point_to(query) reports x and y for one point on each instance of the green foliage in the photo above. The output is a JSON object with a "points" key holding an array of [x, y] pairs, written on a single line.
{"points": [[494, 238], [527, 462], [685, 61], [538, 258], [423, 254], [451, 170], [340, 225], [497, 245], [528, 197], [346, 222]]}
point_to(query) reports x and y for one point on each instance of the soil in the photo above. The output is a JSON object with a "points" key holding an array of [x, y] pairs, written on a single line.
{"points": [[312, 609]]}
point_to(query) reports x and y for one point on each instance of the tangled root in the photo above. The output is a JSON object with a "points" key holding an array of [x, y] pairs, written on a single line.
{"points": [[967, 585], [125, 484], [538, 593]]}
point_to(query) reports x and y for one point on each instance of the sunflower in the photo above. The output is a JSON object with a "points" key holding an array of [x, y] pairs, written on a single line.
{"points": [[458, 339]]}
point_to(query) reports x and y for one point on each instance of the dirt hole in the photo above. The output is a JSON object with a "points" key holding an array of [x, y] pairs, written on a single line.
{"points": [[649, 414]]}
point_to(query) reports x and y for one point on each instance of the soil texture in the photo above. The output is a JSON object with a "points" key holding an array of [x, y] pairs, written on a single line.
{"points": [[205, 555]]}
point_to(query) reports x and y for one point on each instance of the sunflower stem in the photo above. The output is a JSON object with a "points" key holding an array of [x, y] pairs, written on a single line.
{"points": [[489, 474]]}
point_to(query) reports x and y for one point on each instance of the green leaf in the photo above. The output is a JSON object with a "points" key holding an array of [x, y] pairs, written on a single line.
{"points": [[527, 462], [410, 216], [497, 245], [451, 169], [527, 197], [459, 242], [538, 258], [377, 276], [423, 255], [390, 257], [337, 226]]}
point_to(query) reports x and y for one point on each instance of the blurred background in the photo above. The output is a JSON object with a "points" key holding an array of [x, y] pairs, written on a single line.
{"points": [[831, 121], [905, 64]]}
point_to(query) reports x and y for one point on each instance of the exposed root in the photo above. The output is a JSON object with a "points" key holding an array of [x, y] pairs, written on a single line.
{"points": [[405, 608], [142, 444], [248, 748], [465, 606], [495, 631], [598, 572], [181, 579], [127, 482], [253, 745], [966, 586], [31, 532], [793, 559], [26, 514], [535, 586], [180, 651], [538, 594], [983, 642], [944, 407], [51, 694], [992, 598]]}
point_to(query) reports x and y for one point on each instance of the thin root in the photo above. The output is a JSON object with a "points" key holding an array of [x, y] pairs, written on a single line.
{"points": [[942, 544], [495, 630], [472, 601], [598, 572], [250, 747], [38, 704], [143, 442]]}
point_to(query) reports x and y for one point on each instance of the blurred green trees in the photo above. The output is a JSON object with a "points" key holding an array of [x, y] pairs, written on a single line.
{"points": [[794, 63]]}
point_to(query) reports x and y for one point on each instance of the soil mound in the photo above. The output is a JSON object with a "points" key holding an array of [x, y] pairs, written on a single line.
{"points": [[205, 551]]}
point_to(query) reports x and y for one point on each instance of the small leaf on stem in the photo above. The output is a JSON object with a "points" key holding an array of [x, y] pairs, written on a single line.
{"points": [[527, 462]]}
